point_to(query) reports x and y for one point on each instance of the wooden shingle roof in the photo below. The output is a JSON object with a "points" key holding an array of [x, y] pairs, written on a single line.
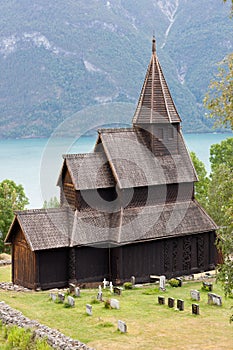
{"points": [[89, 171], [43, 228], [155, 103], [140, 224], [133, 165]]}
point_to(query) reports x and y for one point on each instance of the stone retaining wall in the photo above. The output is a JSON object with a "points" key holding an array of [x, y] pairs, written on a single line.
{"points": [[54, 338]]}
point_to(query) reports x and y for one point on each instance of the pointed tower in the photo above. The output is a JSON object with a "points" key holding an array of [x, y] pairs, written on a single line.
{"points": [[156, 113]]}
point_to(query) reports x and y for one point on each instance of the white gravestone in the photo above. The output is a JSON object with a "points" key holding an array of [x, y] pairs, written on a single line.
{"points": [[89, 309], [111, 287], [105, 283], [133, 280], [61, 297], [77, 292], [195, 294], [71, 301], [122, 326], [162, 281], [53, 296], [100, 296], [115, 304]]}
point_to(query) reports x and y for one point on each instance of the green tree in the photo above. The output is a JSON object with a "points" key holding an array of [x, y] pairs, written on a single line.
{"points": [[201, 187], [12, 197], [220, 207], [219, 98], [52, 203]]}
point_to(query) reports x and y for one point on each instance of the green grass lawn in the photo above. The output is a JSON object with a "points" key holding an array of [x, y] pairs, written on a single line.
{"points": [[150, 326]]}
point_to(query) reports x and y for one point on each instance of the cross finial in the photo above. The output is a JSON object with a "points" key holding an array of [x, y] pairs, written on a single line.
{"points": [[153, 45]]}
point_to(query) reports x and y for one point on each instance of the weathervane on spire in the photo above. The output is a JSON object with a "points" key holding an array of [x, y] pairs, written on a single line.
{"points": [[153, 45]]}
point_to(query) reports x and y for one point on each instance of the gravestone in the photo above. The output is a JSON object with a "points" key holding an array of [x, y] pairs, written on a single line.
{"points": [[117, 290], [161, 300], [77, 292], [61, 297], [171, 302], [195, 309], [214, 299], [195, 294], [105, 283], [114, 303], [71, 301], [122, 326], [180, 304], [180, 281], [207, 286], [132, 280], [53, 296], [99, 296], [89, 309], [111, 287], [71, 288], [162, 281]]}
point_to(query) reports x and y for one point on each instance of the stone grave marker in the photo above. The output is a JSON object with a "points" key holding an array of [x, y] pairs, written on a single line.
{"points": [[61, 297], [208, 286], [71, 301], [89, 309], [111, 287], [77, 292], [105, 283], [117, 290], [161, 300], [99, 296], [180, 304], [214, 299], [195, 294], [171, 302], [162, 281], [115, 304], [180, 281], [71, 288], [132, 280], [122, 326], [53, 296], [195, 309]]}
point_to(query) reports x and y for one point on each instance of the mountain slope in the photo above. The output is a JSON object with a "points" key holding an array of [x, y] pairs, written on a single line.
{"points": [[57, 58]]}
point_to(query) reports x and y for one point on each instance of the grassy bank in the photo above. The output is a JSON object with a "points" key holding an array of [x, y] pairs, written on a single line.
{"points": [[150, 326]]}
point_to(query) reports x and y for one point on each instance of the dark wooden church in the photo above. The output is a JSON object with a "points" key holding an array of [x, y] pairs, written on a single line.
{"points": [[126, 209]]}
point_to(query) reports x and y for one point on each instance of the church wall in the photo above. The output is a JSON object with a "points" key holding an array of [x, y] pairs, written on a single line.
{"points": [[170, 257], [23, 261], [92, 264], [52, 268]]}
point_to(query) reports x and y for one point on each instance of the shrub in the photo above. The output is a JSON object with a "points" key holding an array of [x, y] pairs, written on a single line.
{"points": [[94, 301], [128, 285], [173, 282]]}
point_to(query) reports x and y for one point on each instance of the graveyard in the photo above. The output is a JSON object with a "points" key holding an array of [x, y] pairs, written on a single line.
{"points": [[168, 324]]}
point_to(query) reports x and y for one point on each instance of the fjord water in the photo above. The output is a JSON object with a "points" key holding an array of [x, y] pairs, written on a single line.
{"points": [[36, 163]]}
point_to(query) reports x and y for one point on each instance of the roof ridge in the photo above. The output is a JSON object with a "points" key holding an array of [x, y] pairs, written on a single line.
{"points": [[40, 211], [115, 130]]}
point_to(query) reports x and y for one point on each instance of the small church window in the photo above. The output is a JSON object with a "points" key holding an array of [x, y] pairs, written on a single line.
{"points": [[170, 133]]}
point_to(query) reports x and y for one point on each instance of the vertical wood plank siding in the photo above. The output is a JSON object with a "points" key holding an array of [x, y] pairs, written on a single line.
{"points": [[24, 273], [171, 257]]}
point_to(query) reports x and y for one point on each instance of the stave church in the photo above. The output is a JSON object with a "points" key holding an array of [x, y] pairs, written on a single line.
{"points": [[128, 208]]}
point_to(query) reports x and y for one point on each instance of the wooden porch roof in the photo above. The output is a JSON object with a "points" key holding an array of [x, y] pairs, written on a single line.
{"points": [[43, 228]]}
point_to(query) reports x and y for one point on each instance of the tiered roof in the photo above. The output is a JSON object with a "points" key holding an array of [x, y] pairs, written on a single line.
{"points": [[122, 159]]}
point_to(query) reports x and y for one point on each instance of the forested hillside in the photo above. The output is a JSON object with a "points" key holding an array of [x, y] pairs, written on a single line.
{"points": [[58, 57]]}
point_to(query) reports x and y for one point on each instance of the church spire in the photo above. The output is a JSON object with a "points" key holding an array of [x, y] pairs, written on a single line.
{"points": [[155, 104], [153, 45]]}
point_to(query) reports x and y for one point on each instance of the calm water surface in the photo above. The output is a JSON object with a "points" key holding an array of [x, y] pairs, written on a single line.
{"points": [[36, 163]]}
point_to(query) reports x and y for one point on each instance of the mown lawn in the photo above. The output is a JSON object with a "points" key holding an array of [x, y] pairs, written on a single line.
{"points": [[150, 326]]}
